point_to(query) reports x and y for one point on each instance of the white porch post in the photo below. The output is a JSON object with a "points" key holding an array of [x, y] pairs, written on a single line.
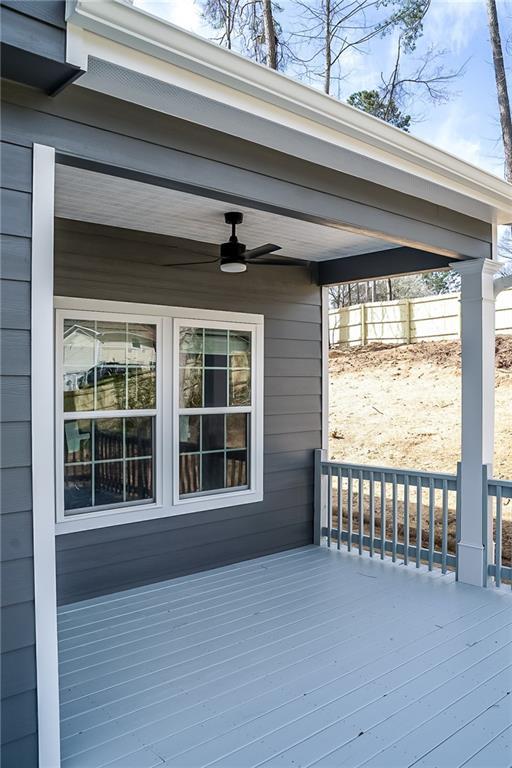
{"points": [[478, 341]]}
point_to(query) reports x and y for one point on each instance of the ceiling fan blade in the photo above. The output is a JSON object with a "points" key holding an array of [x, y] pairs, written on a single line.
{"points": [[262, 250], [191, 263], [278, 263]]}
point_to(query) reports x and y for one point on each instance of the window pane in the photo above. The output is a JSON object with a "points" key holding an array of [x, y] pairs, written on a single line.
{"points": [[189, 434], [141, 356], [213, 432], [213, 471], [123, 465], [139, 436], [215, 387], [191, 388], [239, 387], [109, 483], [191, 340], [240, 349], [111, 366], [236, 468], [236, 430], [189, 473], [108, 439], [139, 480], [215, 348], [77, 486], [78, 365], [215, 342], [77, 441]]}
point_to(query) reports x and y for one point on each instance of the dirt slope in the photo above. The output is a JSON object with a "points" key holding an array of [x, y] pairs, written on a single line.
{"points": [[400, 405]]}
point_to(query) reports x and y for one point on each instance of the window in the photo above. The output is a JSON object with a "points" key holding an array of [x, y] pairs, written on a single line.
{"points": [[158, 412], [214, 408]]}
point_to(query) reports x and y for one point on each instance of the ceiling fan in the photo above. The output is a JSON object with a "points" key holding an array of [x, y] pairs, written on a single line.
{"points": [[234, 256]]}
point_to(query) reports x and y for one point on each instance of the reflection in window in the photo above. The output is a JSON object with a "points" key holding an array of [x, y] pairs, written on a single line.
{"points": [[108, 462], [109, 366], [215, 368], [213, 452]]}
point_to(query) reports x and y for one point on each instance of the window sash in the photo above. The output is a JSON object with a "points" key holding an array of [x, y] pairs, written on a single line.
{"points": [[62, 417], [222, 493]]}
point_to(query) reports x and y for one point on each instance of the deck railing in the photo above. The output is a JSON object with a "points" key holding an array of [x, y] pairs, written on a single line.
{"points": [[500, 493], [406, 515], [403, 514]]}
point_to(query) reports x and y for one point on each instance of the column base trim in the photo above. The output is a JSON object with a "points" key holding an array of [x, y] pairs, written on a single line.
{"points": [[470, 564]]}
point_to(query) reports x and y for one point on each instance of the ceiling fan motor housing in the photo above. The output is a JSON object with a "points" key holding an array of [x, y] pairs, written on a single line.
{"points": [[233, 217], [232, 250]]}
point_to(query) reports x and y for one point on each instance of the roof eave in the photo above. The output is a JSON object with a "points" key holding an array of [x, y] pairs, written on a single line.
{"points": [[121, 21]]}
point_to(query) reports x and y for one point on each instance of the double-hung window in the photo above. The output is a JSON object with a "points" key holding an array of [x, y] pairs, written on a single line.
{"points": [[159, 411]]}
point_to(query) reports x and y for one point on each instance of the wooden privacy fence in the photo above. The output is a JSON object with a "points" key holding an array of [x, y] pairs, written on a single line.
{"points": [[406, 321]]}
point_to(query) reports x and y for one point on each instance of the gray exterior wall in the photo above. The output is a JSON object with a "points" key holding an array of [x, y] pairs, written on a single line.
{"points": [[89, 263], [33, 37], [18, 683]]}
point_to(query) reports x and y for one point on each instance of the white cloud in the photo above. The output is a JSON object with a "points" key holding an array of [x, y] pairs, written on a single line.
{"points": [[183, 13], [452, 23], [454, 133]]}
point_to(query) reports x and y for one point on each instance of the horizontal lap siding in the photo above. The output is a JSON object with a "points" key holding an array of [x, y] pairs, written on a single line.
{"points": [[19, 747], [89, 264], [36, 26]]}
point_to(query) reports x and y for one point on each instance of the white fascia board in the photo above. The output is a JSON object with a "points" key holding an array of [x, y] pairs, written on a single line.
{"points": [[116, 31]]}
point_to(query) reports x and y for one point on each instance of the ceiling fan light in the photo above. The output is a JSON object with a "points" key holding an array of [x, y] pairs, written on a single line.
{"points": [[233, 267]]}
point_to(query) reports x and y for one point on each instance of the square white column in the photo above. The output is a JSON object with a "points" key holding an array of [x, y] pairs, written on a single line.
{"points": [[478, 344]]}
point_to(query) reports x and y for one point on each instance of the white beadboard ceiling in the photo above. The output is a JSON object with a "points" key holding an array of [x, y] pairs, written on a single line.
{"points": [[95, 197]]}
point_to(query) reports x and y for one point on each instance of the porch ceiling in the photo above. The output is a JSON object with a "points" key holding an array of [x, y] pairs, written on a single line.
{"points": [[86, 195]]}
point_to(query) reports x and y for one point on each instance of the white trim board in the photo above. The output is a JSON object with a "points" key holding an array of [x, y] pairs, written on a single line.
{"points": [[117, 32], [43, 465]]}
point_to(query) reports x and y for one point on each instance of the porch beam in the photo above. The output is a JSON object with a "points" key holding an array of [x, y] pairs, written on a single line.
{"points": [[477, 447], [379, 264]]}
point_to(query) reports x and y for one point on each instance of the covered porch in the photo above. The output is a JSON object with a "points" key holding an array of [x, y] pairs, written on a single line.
{"points": [[371, 648], [180, 483], [307, 657]]}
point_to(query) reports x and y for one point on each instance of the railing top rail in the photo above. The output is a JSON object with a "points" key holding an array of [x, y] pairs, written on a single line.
{"points": [[326, 463], [505, 486]]}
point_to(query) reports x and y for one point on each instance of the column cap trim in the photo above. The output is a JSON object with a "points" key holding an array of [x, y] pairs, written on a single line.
{"points": [[474, 266]]}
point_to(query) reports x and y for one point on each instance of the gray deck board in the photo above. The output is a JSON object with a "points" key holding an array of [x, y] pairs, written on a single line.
{"points": [[308, 657]]}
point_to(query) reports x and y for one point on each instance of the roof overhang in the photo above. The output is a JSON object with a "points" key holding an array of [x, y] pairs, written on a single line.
{"points": [[116, 32]]}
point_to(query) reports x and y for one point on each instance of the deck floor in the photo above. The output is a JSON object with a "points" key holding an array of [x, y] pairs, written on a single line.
{"points": [[309, 657]]}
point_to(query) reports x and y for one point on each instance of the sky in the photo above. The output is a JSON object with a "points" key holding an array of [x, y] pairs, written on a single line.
{"points": [[468, 124]]}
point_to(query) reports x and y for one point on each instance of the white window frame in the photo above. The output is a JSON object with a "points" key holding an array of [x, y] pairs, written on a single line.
{"points": [[194, 503], [62, 416], [168, 321]]}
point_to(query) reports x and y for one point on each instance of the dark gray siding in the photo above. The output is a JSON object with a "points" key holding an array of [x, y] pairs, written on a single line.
{"points": [[18, 704], [91, 261], [33, 37], [24, 30]]}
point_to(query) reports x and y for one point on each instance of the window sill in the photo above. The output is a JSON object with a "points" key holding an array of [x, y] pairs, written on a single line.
{"points": [[89, 522]]}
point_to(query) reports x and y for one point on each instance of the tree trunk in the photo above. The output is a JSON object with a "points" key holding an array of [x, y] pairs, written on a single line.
{"points": [[328, 50], [270, 34], [390, 289], [501, 86], [229, 22]]}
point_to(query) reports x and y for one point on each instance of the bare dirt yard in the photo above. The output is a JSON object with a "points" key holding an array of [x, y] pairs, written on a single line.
{"points": [[399, 406]]}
